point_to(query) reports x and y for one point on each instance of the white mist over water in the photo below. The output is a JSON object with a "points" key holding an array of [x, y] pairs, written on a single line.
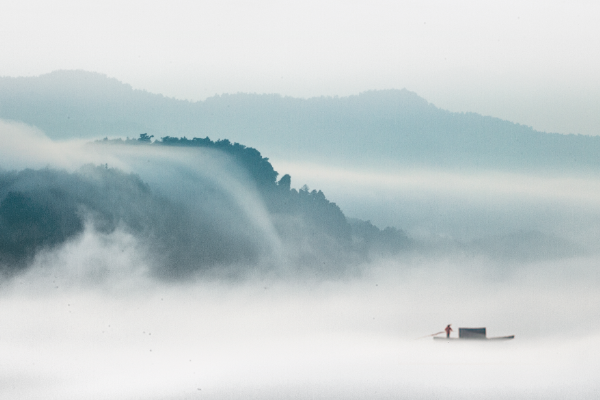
{"points": [[132, 337]]}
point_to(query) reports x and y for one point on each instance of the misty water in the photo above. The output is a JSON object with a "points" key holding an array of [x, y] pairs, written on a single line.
{"points": [[91, 319], [359, 337]]}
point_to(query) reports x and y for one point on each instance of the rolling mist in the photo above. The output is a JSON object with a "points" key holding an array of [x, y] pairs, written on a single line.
{"points": [[175, 268]]}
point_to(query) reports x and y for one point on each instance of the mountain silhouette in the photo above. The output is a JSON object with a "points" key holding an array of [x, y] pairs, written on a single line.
{"points": [[395, 127]]}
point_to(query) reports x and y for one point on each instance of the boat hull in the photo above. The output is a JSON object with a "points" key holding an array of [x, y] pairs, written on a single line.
{"points": [[476, 339]]}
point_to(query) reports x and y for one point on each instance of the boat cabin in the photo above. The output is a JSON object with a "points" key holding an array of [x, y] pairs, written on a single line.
{"points": [[471, 333]]}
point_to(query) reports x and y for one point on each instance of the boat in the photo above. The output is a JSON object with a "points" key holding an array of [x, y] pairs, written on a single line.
{"points": [[473, 334]]}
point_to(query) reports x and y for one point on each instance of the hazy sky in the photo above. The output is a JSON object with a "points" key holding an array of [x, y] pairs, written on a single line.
{"points": [[534, 63]]}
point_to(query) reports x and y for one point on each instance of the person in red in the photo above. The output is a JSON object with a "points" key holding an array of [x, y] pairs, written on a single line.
{"points": [[448, 330]]}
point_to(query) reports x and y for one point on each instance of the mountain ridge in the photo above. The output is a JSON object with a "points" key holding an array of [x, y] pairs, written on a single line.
{"points": [[390, 126]]}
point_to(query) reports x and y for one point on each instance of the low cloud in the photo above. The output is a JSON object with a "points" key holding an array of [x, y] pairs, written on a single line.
{"points": [[271, 338]]}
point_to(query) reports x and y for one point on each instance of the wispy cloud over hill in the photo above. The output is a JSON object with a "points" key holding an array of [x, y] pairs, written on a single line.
{"points": [[193, 206]]}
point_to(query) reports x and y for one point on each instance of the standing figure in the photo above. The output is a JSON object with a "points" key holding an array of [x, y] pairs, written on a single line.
{"points": [[448, 330]]}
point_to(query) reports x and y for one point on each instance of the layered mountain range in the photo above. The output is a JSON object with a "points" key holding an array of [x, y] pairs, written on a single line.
{"points": [[391, 126]]}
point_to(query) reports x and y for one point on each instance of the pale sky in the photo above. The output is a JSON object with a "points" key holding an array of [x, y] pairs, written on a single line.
{"points": [[532, 62]]}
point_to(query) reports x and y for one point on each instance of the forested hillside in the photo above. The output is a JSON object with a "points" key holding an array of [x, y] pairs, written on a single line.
{"points": [[213, 231]]}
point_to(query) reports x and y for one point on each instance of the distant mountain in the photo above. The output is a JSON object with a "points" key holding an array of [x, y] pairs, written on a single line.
{"points": [[394, 127]]}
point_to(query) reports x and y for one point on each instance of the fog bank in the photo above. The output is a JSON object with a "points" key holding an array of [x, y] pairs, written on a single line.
{"points": [[261, 338]]}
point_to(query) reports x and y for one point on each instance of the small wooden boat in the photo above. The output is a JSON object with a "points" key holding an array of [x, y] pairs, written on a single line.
{"points": [[474, 334]]}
